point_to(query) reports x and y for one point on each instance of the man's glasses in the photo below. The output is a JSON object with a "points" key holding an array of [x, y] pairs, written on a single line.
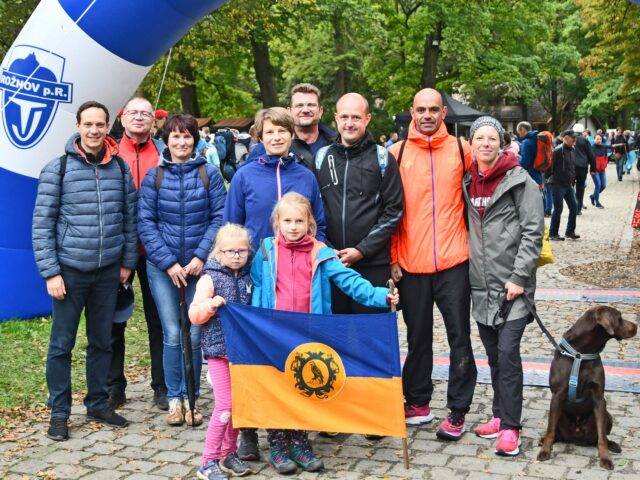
{"points": [[142, 113], [310, 106], [242, 253]]}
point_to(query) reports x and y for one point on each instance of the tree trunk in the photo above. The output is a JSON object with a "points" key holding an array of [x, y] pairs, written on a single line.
{"points": [[524, 110], [265, 73], [188, 92], [431, 54], [342, 73], [555, 121]]}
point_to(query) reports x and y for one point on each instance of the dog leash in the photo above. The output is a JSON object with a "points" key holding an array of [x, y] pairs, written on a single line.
{"points": [[565, 349]]}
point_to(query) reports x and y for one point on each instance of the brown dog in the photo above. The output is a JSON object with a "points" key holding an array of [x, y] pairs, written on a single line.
{"points": [[587, 422]]}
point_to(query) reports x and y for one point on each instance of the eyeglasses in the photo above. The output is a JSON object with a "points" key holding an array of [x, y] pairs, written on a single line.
{"points": [[310, 106], [142, 113], [242, 253]]}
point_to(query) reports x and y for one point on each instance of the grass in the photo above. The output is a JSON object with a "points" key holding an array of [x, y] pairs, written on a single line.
{"points": [[24, 352]]}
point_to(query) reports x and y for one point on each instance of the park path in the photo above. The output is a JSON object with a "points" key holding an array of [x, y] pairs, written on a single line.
{"points": [[148, 449]]}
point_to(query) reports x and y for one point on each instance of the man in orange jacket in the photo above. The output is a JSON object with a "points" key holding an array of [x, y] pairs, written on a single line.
{"points": [[429, 261], [141, 152]]}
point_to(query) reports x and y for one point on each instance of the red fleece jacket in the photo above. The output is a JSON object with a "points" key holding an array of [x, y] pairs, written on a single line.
{"points": [[293, 287], [483, 184]]}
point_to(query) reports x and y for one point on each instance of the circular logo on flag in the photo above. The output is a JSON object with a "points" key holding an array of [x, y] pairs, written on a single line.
{"points": [[315, 370]]}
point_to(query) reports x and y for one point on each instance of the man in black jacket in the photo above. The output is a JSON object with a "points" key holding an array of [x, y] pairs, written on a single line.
{"points": [[560, 178], [584, 160], [362, 196]]}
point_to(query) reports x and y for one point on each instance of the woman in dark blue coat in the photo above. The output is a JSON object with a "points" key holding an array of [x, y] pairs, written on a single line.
{"points": [[179, 212]]}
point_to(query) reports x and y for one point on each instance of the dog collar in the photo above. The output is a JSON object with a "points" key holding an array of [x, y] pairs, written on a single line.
{"points": [[565, 348]]}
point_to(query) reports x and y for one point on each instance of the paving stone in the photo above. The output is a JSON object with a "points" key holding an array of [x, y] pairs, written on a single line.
{"points": [[70, 471], [592, 473], [106, 475], [136, 453], [63, 456], [133, 440], [175, 470], [432, 459], [171, 456], [460, 449], [30, 466], [468, 464], [106, 462], [139, 466], [546, 470], [511, 466]]}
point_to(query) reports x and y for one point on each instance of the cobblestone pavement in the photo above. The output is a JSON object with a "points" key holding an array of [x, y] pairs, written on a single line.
{"points": [[148, 449]]}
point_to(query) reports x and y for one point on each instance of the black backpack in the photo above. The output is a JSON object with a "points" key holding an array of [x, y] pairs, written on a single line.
{"points": [[228, 164]]}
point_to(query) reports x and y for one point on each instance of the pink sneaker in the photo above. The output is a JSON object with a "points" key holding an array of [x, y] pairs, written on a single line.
{"points": [[508, 442], [452, 427], [489, 429], [417, 414]]}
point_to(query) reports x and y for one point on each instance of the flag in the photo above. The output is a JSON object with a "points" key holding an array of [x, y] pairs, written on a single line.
{"points": [[334, 373]]}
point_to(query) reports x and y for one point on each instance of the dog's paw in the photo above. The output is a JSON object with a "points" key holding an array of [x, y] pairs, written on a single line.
{"points": [[606, 463], [614, 447], [543, 455]]}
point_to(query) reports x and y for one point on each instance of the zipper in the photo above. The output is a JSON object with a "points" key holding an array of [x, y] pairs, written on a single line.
{"points": [[293, 289], [344, 200], [99, 215], [182, 219], [138, 165], [433, 205]]}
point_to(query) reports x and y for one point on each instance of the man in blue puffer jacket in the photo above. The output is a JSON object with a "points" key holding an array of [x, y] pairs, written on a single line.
{"points": [[85, 243]]}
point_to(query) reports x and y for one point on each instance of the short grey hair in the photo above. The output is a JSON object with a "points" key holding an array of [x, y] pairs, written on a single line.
{"points": [[526, 125]]}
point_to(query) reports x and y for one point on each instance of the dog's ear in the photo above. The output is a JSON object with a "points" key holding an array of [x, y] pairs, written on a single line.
{"points": [[608, 318]]}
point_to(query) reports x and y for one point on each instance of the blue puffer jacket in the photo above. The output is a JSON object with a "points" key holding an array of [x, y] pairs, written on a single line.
{"points": [[326, 268], [91, 221], [254, 192], [180, 221], [232, 289]]}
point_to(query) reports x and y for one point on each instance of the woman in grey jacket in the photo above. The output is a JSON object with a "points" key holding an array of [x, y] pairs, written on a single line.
{"points": [[506, 224]]}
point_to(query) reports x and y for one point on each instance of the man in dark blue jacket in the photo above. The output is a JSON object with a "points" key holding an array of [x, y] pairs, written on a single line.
{"points": [[85, 244], [528, 152], [310, 133]]}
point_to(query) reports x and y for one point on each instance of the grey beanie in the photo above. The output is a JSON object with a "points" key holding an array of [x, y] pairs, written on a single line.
{"points": [[484, 122]]}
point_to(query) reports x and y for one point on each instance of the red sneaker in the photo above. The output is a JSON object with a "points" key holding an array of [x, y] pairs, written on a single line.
{"points": [[452, 427], [489, 429], [417, 414], [508, 442]]}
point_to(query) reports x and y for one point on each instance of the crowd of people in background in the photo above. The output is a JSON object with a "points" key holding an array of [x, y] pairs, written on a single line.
{"points": [[341, 208]]}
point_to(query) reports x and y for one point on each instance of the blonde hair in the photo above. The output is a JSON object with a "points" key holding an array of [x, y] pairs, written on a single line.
{"points": [[277, 115], [230, 230], [294, 199]]}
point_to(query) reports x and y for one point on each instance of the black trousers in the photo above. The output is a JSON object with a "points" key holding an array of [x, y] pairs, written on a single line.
{"points": [[341, 303], [450, 290], [503, 350], [581, 183], [116, 378]]}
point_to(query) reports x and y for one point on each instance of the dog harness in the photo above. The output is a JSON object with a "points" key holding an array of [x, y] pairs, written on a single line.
{"points": [[567, 350]]}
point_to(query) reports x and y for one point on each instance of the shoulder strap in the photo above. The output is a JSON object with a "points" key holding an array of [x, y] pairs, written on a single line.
{"points": [[204, 177], [464, 167], [383, 158], [63, 167], [159, 177], [399, 159], [263, 251], [123, 170], [320, 156]]}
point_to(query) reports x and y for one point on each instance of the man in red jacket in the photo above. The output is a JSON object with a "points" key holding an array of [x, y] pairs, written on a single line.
{"points": [[141, 152]]}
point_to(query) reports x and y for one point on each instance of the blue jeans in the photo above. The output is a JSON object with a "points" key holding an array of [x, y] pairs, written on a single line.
{"points": [[167, 298], [620, 166], [562, 194], [95, 292], [600, 183], [547, 199]]}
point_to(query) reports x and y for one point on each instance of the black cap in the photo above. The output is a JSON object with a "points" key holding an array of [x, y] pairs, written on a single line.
{"points": [[569, 133]]}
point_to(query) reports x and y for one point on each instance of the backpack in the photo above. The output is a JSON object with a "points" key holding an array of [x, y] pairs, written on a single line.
{"points": [[228, 161], [544, 152], [202, 171]]}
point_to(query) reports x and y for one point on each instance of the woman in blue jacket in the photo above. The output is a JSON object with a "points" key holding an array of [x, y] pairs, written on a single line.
{"points": [[179, 212]]}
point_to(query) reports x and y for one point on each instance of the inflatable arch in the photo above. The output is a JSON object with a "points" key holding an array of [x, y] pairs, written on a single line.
{"points": [[70, 51]]}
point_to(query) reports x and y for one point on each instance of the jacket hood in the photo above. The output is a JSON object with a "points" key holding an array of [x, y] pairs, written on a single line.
{"points": [[195, 161], [73, 148], [506, 161], [424, 141], [363, 144], [532, 134]]}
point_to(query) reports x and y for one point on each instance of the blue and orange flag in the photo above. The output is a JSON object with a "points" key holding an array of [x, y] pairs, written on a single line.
{"points": [[337, 373]]}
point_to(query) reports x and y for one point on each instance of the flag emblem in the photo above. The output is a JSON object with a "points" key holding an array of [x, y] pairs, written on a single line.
{"points": [[316, 371]]}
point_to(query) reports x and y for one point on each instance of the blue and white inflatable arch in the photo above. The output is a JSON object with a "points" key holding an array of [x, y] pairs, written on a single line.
{"points": [[70, 51]]}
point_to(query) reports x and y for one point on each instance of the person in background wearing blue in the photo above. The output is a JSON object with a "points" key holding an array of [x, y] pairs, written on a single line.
{"points": [[528, 152], [180, 212]]}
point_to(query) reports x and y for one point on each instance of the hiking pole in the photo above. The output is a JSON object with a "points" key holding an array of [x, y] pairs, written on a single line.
{"points": [[405, 449]]}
